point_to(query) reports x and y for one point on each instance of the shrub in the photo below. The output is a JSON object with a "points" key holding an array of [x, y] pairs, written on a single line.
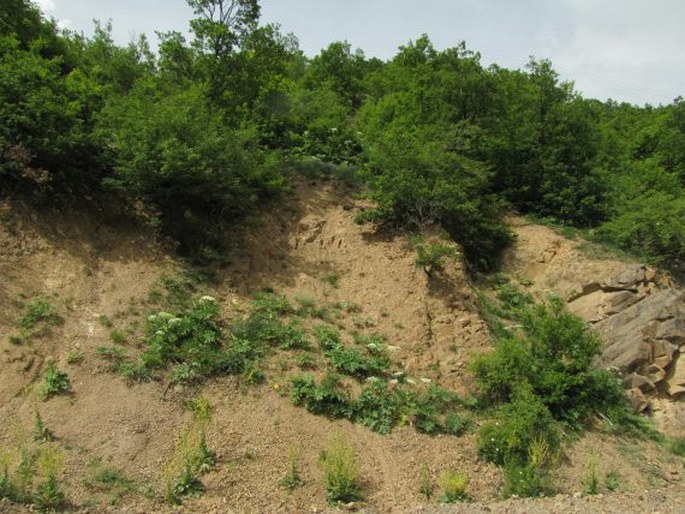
{"points": [[516, 426], [552, 357], [341, 470], [650, 225], [430, 256], [184, 161]]}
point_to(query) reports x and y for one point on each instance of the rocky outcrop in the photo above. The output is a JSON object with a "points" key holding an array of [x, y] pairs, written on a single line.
{"points": [[641, 317]]}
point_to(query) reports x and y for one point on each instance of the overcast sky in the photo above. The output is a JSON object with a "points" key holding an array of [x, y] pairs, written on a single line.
{"points": [[627, 50]]}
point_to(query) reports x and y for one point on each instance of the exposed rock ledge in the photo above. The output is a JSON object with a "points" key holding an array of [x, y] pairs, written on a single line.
{"points": [[641, 317]]}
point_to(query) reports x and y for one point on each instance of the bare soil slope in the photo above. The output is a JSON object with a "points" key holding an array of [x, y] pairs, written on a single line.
{"points": [[100, 280]]}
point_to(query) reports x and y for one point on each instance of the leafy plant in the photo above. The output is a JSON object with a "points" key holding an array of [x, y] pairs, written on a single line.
{"points": [[39, 311], [612, 481], [54, 380], [327, 397]]}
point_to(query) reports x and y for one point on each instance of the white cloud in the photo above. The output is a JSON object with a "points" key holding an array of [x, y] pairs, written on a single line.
{"points": [[625, 50]]}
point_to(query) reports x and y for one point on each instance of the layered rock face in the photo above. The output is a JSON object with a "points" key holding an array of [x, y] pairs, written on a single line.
{"points": [[641, 317]]}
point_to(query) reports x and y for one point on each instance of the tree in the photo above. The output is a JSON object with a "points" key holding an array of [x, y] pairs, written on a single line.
{"points": [[222, 23]]}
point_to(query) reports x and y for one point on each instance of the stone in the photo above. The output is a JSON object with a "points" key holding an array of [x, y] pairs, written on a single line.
{"points": [[655, 373], [630, 334], [662, 353], [628, 280], [588, 288], [638, 401], [621, 300], [635, 381], [675, 386], [588, 306], [672, 330]]}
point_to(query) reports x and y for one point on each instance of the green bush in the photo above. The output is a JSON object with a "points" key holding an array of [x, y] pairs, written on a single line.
{"points": [[175, 152], [552, 357], [515, 427], [651, 226]]}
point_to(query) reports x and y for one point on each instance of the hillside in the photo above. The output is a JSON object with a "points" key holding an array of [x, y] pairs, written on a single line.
{"points": [[104, 280]]}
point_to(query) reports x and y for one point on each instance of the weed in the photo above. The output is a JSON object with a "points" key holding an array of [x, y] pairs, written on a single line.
{"points": [[117, 337], [530, 477], [154, 297], [269, 303], [591, 480], [513, 299], [453, 485], [612, 481], [352, 308], [110, 481], [426, 483], [105, 321], [54, 381], [378, 407], [15, 340], [326, 398], [41, 433], [75, 356], [191, 456], [331, 279], [677, 446], [305, 361], [292, 479], [48, 496], [341, 470], [39, 311]]}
